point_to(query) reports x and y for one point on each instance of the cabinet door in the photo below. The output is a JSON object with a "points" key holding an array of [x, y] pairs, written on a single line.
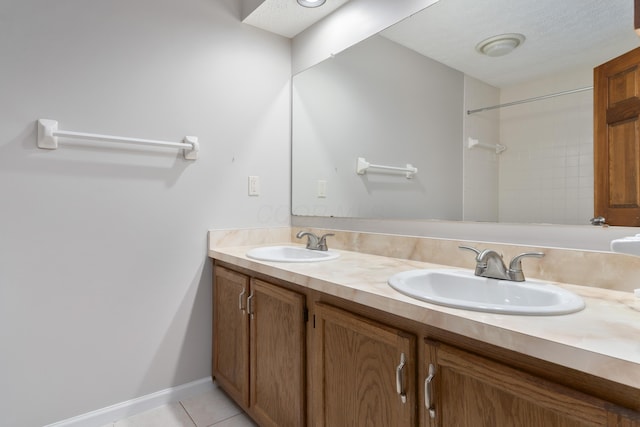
{"points": [[277, 328], [364, 372], [618, 417], [468, 390], [231, 334]]}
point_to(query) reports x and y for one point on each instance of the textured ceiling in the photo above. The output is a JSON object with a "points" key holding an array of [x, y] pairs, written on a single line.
{"points": [[287, 17], [560, 34]]}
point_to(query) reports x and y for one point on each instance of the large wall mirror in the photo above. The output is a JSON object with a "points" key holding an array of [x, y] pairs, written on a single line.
{"points": [[403, 97]]}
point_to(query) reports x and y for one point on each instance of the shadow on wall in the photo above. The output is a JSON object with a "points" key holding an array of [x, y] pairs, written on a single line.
{"points": [[77, 157], [190, 322]]}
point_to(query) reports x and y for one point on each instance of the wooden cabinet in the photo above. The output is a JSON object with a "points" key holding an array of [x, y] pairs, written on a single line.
{"points": [[468, 390], [259, 347], [231, 334], [340, 368], [277, 337], [364, 372]]}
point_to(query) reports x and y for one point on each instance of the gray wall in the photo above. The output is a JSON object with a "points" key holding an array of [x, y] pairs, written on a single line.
{"points": [[104, 280]]}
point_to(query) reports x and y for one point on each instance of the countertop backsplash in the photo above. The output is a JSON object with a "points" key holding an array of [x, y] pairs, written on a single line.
{"points": [[587, 268]]}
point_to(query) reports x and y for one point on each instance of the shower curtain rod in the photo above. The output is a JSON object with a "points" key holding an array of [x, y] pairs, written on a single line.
{"points": [[537, 98]]}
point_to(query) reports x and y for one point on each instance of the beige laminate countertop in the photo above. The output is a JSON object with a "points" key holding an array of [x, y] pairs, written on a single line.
{"points": [[602, 340]]}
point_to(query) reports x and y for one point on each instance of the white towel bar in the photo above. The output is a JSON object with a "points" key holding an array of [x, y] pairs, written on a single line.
{"points": [[362, 166], [497, 147], [48, 134]]}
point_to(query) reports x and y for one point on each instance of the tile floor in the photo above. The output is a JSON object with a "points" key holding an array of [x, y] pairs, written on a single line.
{"points": [[210, 409]]}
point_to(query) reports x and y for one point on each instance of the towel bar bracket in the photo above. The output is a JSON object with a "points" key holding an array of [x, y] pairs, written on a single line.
{"points": [[46, 139]]}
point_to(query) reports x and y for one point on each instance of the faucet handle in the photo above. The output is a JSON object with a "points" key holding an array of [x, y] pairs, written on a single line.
{"points": [[515, 266], [322, 242]]}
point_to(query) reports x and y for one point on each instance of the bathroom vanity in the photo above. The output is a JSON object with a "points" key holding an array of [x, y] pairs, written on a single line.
{"points": [[331, 344]]}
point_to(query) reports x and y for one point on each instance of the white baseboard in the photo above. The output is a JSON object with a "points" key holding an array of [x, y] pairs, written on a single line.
{"points": [[140, 404]]}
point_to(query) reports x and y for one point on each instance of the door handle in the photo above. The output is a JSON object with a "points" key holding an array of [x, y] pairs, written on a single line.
{"points": [[400, 378], [250, 304], [244, 291], [428, 392]]}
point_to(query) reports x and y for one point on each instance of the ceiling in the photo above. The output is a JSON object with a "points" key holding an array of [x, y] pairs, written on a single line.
{"points": [[560, 34], [287, 17]]}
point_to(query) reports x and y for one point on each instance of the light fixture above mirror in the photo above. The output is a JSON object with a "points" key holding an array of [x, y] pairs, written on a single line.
{"points": [[311, 3], [288, 18]]}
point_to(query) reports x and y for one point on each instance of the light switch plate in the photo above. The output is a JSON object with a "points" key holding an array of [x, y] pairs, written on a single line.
{"points": [[254, 185], [322, 188]]}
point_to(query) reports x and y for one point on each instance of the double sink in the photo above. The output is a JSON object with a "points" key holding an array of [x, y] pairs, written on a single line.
{"points": [[451, 287]]}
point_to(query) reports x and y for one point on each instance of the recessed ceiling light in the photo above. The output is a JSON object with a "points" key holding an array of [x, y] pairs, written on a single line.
{"points": [[311, 3], [500, 45]]}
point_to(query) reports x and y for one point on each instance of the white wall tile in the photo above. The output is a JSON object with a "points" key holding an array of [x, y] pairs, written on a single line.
{"points": [[550, 146]]}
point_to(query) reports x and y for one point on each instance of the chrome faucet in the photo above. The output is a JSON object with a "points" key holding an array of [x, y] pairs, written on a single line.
{"points": [[314, 242], [490, 264]]}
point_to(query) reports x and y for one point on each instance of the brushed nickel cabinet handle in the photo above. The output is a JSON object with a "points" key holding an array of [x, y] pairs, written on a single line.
{"points": [[250, 304], [400, 378], [428, 392], [240, 299]]}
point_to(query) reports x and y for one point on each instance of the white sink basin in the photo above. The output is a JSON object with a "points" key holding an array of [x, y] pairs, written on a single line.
{"points": [[290, 254], [462, 289]]}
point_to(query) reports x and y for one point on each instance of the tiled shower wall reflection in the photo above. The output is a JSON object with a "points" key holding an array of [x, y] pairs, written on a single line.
{"points": [[546, 173]]}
